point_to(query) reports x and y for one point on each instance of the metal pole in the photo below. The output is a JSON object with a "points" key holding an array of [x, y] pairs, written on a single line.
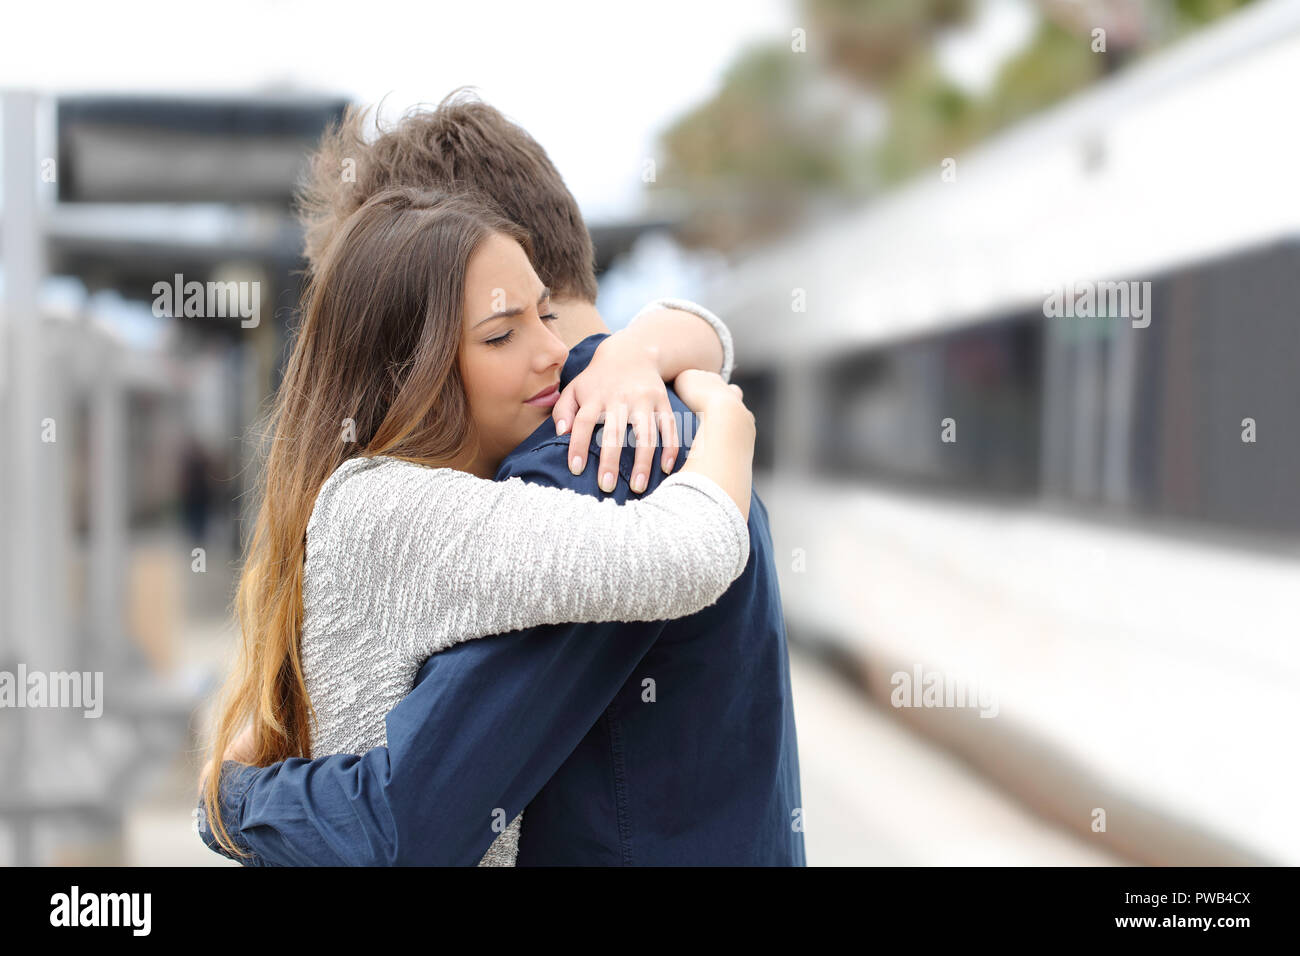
{"points": [[25, 588]]}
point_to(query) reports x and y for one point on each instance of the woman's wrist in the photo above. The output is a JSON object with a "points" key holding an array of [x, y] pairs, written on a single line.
{"points": [[676, 339], [729, 410], [630, 347], [673, 310]]}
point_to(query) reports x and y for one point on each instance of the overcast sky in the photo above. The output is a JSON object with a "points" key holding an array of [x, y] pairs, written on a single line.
{"points": [[593, 81]]}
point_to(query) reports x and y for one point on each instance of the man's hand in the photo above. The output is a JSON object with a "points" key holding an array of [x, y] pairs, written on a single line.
{"points": [[240, 750], [621, 386]]}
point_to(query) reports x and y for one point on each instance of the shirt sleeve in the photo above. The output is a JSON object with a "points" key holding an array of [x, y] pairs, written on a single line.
{"points": [[236, 778], [720, 327], [430, 557]]}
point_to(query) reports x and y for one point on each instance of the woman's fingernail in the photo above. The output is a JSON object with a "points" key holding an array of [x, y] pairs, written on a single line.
{"points": [[575, 465], [560, 426], [607, 481], [638, 483], [668, 465]]}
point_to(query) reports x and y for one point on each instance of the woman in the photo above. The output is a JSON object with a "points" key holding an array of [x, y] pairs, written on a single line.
{"points": [[381, 538]]}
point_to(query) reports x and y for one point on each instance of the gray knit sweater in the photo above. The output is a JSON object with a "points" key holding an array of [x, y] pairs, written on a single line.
{"points": [[404, 561]]}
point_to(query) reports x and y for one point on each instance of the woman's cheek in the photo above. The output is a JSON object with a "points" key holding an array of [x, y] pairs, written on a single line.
{"points": [[510, 375]]}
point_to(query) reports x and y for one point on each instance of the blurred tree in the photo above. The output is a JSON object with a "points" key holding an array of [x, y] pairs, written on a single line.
{"points": [[779, 132], [783, 136], [1195, 13], [744, 161], [873, 40], [1055, 64], [930, 118]]}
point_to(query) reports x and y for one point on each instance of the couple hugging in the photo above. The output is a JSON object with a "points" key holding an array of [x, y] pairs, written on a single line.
{"points": [[471, 633]]}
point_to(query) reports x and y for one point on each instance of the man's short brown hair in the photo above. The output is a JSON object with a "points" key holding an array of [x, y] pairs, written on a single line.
{"points": [[462, 143]]}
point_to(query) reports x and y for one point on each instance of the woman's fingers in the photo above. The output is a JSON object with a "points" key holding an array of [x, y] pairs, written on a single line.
{"points": [[653, 422], [695, 387], [584, 422], [611, 446], [668, 435], [565, 410], [643, 427]]}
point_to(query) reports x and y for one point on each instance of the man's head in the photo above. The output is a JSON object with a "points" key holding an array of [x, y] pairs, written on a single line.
{"points": [[462, 144]]}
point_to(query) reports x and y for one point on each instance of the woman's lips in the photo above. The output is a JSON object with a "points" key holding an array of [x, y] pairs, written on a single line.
{"points": [[545, 399]]}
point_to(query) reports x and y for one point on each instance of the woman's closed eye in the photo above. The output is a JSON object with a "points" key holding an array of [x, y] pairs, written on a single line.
{"points": [[503, 339]]}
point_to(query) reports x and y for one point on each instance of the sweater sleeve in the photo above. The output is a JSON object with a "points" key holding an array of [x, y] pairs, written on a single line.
{"points": [[720, 327], [429, 557]]}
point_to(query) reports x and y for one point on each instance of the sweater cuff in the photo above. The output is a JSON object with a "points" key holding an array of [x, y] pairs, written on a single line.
{"points": [[720, 327], [736, 522]]}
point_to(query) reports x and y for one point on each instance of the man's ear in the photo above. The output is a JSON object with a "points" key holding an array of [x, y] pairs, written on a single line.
{"points": [[577, 320]]}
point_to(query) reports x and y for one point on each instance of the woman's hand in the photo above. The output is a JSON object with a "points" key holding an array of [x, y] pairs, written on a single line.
{"points": [[620, 386], [700, 389], [241, 748]]}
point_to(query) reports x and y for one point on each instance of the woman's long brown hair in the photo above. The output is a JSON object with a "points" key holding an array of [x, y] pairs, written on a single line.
{"points": [[373, 372]]}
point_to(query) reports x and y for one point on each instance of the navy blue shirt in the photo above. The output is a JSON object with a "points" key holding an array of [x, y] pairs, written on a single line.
{"points": [[649, 743]]}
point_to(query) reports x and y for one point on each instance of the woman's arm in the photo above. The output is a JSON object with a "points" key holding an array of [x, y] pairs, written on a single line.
{"points": [[671, 331], [432, 556], [726, 453]]}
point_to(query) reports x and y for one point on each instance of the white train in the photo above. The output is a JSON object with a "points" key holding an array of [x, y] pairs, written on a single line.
{"points": [[1099, 517]]}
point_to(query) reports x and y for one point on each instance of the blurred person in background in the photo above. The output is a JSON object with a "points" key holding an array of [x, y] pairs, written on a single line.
{"points": [[563, 718], [196, 489]]}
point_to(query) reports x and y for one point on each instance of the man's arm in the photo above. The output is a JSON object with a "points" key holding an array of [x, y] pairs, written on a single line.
{"points": [[487, 725]]}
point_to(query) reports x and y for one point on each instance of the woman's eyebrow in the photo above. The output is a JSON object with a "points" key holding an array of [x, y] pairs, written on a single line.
{"points": [[517, 310]]}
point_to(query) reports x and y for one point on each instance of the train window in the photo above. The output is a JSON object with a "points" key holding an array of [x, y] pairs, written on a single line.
{"points": [[885, 411], [1211, 399], [1187, 418]]}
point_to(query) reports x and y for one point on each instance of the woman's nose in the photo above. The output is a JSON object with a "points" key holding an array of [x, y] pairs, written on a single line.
{"points": [[553, 351]]}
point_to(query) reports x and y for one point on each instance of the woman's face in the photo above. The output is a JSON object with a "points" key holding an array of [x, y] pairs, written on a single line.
{"points": [[508, 355]]}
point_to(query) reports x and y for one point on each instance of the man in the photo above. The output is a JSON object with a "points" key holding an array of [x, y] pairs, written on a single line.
{"points": [[651, 743]]}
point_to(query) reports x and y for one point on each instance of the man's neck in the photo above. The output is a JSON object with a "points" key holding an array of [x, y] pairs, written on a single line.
{"points": [[577, 320]]}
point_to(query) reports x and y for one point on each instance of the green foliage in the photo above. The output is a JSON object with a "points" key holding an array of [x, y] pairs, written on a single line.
{"points": [[761, 148], [1053, 66], [749, 130], [872, 40], [1200, 12], [930, 118]]}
